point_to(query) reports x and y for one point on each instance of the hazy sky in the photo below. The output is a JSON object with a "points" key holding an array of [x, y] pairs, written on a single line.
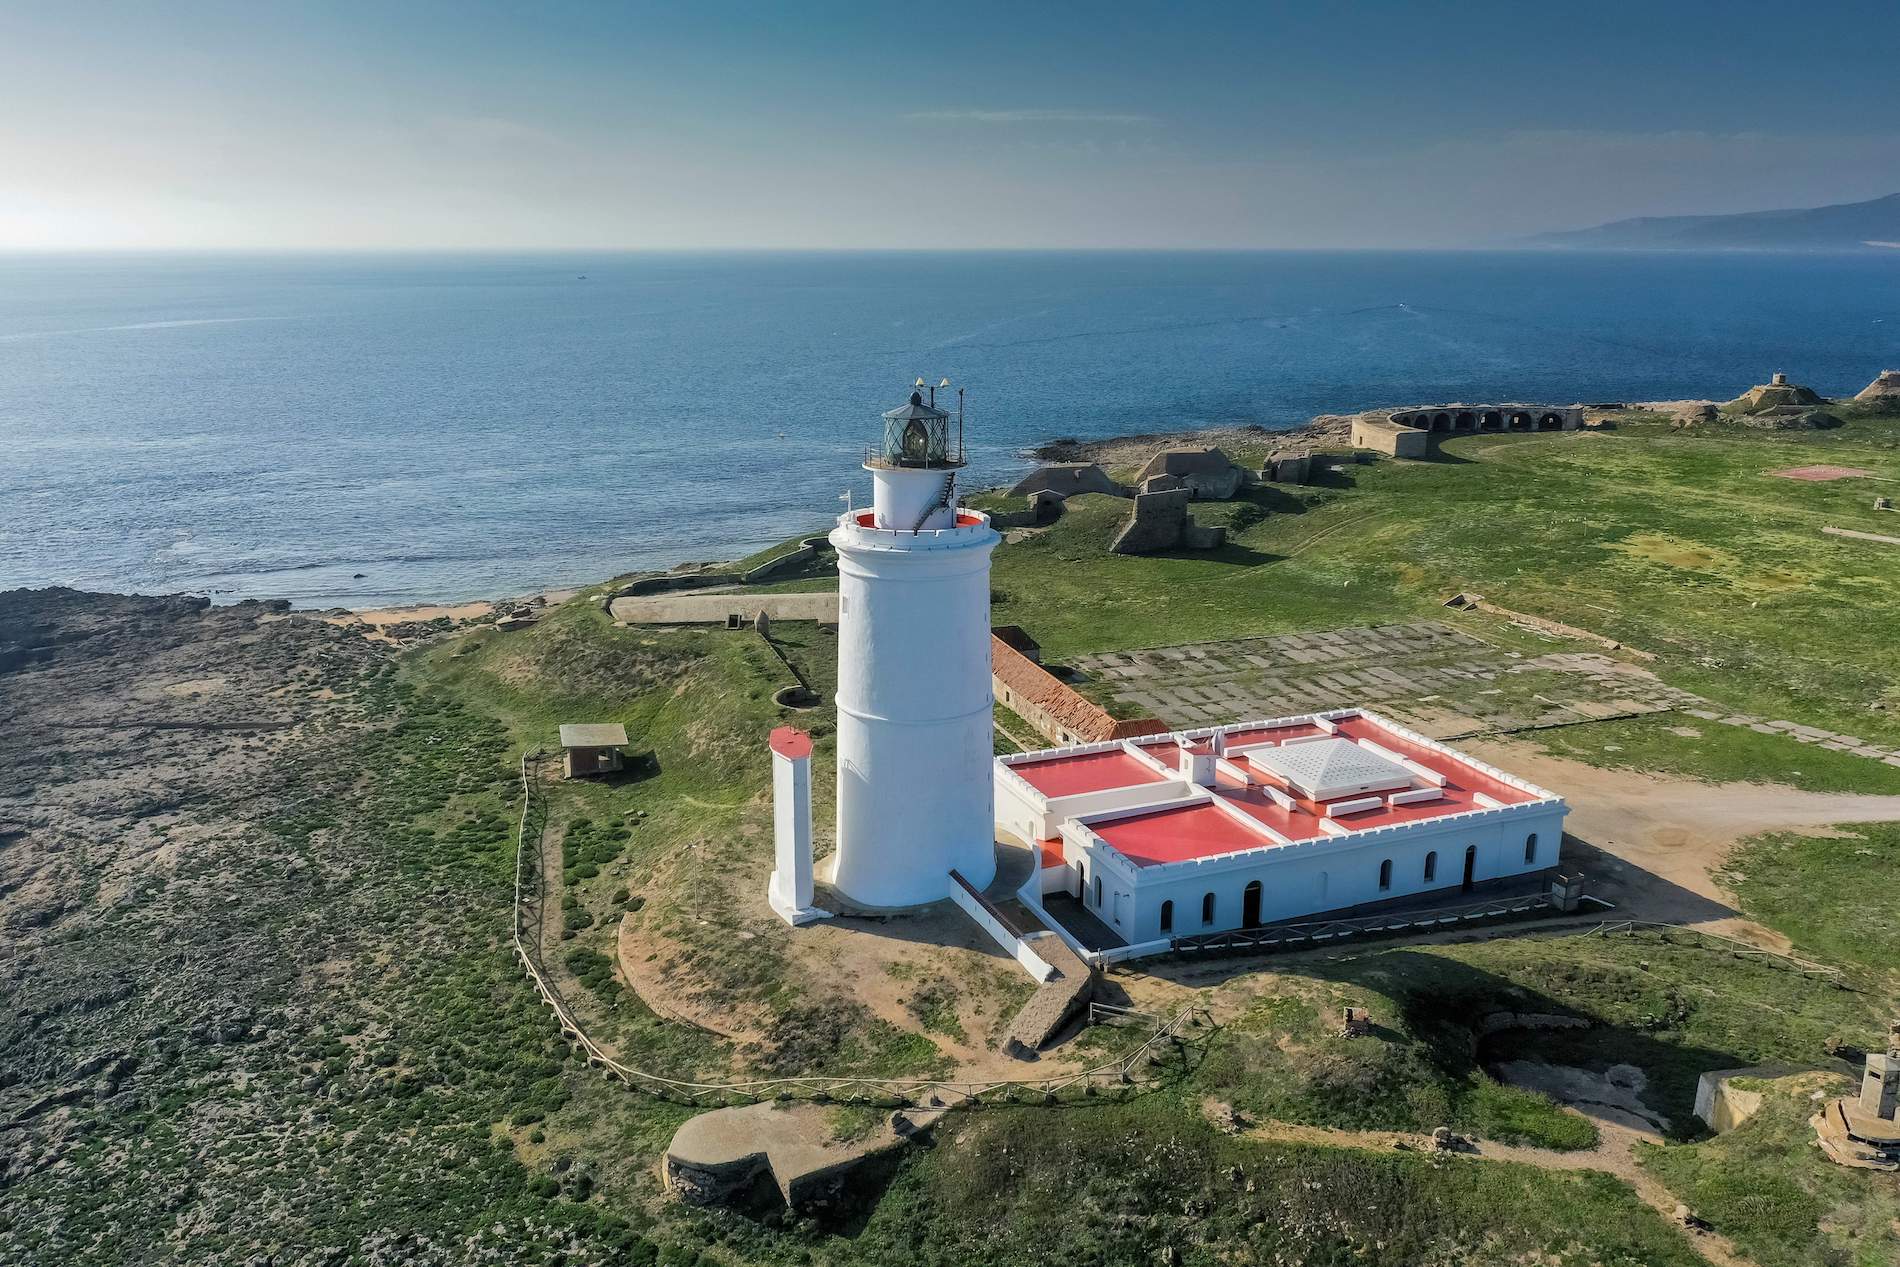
{"points": [[409, 123]]}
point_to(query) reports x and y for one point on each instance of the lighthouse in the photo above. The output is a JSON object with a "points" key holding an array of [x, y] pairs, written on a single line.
{"points": [[915, 794]]}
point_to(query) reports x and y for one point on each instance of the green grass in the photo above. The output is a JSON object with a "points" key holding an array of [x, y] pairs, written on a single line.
{"points": [[1673, 1010], [1766, 1187], [1677, 544], [1834, 896], [686, 830], [1719, 754], [1285, 1061], [1123, 1184]]}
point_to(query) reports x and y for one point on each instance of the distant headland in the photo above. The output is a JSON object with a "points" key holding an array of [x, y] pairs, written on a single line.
{"points": [[1853, 226]]}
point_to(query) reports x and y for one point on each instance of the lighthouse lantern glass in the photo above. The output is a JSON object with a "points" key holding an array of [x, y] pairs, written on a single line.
{"points": [[917, 441]]}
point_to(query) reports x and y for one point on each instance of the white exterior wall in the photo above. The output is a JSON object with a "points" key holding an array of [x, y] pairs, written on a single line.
{"points": [[1025, 813], [1291, 880], [900, 496], [915, 794]]}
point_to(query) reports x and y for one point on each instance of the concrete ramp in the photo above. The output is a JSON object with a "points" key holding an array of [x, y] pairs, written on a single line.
{"points": [[1055, 1002]]}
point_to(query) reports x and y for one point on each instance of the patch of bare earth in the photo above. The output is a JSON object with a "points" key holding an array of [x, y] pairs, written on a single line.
{"points": [[930, 972], [1653, 844]]}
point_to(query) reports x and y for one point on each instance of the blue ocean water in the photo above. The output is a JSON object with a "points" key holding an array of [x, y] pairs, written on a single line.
{"points": [[461, 426]]}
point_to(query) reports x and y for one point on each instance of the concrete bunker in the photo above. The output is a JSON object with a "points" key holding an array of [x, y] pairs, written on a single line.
{"points": [[1406, 432]]}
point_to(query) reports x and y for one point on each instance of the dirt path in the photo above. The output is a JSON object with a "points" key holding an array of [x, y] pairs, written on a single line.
{"points": [[1614, 1154], [1652, 844]]}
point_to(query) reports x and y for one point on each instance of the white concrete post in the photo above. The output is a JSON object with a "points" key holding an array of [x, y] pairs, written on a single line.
{"points": [[1880, 1090], [790, 890]]}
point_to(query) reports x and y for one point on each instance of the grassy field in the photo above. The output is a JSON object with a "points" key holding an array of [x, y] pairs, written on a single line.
{"points": [[414, 1101], [1148, 1182], [1832, 895], [1769, 1190], [1679, 544]]}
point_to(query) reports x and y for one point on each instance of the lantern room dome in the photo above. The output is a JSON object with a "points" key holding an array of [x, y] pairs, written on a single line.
{"points": [[917, 434]]}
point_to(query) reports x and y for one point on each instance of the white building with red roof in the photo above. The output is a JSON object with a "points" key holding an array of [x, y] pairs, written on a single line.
{"points": [[1208, 831]]}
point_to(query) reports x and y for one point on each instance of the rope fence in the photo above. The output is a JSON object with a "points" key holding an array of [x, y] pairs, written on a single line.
{"points": [[1678, 934], [1144, 1067]]}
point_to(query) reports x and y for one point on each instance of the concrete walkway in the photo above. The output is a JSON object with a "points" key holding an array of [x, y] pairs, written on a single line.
{"points": [[716, 609]]}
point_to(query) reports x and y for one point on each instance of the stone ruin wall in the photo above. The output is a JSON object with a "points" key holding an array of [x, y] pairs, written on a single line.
{"points": [[1469, 418]]}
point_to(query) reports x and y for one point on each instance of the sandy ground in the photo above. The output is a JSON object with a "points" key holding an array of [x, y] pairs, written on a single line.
{"points": [[380, 618], [882, 961], [1651, 844]]}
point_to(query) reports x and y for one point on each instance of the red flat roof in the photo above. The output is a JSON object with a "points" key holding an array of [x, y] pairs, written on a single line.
{"points": [[1086, 772], [1177, 834], [1294, 824], [1199, 830], [1274, 734], [1459, 775]]}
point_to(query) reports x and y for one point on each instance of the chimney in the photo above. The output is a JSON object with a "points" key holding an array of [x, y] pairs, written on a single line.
{"points": [[790, 890]]}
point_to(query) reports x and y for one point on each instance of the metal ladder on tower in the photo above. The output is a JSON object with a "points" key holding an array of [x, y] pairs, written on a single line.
{"points": [[945, 495]]}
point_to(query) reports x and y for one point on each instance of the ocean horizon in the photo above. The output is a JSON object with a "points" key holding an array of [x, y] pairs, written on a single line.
{"points": [[371, 429]]}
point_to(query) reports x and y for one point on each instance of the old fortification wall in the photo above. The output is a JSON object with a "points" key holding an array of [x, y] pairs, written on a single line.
{"points": [[1381, 435], [1161, 521]]}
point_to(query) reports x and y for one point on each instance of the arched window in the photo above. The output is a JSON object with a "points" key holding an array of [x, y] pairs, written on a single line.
{"points": [[1207, 909], [1167, 917], [1385, 875], [1431, 866], [1098, 890], [1530, 847]]}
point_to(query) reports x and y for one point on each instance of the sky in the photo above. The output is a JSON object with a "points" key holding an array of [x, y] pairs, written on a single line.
{"points": [[413, 124]]}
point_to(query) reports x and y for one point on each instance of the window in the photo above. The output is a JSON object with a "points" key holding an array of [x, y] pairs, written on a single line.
{"points": [[1385, 875], [1431, 866], [1167, 917], [1098, 891], [1207, 909], [1530, 847]]}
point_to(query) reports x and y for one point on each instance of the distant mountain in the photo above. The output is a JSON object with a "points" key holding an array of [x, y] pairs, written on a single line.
{"points": [[1849, 226]]}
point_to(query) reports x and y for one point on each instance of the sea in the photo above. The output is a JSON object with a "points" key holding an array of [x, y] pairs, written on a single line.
{"points": [[371, 430]]}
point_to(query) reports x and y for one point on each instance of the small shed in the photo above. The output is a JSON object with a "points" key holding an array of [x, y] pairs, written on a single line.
{"points": [[592, 748]]}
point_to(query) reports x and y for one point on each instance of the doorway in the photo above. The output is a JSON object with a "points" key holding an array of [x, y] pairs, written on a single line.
{"points": [[1250, 906], [1471, 866]]}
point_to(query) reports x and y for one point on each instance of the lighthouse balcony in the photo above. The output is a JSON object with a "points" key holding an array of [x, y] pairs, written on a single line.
{"points": [[860, 527]]}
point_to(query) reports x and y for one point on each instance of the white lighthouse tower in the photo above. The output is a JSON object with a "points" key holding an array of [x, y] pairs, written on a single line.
{"points": [[914, 703]]}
